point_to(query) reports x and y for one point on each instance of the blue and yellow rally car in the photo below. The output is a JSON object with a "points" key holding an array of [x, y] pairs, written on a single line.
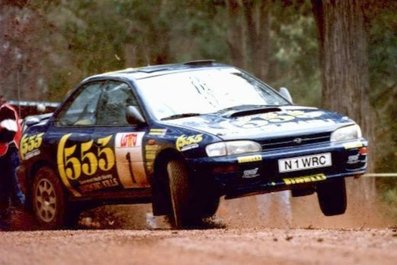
{"points": [[181, 136]]}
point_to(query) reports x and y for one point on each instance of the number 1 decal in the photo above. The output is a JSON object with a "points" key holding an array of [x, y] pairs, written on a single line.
{"points": [[129, 160], [128, 156]]}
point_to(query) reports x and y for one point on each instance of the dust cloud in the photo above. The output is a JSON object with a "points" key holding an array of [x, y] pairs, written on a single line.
{"points": [[274, 210]]}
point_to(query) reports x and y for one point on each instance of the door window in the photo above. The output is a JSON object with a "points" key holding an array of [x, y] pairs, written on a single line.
{"points": [[80, 110], [113, 103]]}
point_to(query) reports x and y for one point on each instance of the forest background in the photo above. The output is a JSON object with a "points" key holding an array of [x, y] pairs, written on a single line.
{"points": [[337, 54]]}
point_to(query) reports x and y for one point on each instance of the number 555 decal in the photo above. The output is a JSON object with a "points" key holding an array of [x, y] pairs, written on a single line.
{"points": [[73, 164], [29, 145]]}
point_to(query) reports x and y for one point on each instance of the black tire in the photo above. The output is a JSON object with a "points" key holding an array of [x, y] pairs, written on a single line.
{"points": [[206, 199], [190, 201], [209, 206], [302, 192], [332, 197], [49, 201], [178, 179]]}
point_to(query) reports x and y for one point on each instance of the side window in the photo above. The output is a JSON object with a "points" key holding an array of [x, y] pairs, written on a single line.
{"points": [[113, 104], [80, 111]]}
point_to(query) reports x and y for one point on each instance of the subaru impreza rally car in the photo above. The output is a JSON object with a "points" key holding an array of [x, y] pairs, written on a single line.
{"points": [[182, 136]]}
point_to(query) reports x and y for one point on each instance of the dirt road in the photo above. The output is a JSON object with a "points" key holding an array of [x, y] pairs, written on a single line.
{"points": [[254, 230], [214, 246]]}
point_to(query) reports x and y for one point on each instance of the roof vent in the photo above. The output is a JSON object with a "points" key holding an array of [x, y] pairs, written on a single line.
{"points": [[200, 62]]}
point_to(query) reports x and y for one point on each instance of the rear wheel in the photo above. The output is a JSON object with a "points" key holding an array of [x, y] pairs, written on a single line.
{"points": [[49, 202], [332, 197]]}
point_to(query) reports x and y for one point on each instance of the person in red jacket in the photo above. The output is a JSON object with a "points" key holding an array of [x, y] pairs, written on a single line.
{"points": [[10, 135]]}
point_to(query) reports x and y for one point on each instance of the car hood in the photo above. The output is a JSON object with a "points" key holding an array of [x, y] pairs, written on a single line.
{"points": [[272, 122]]}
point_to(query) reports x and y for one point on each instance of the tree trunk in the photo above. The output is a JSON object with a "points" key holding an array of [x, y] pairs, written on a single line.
{"points": [[235, 39], [344, 62], [249, 35], [257, 21], [21, 57]]}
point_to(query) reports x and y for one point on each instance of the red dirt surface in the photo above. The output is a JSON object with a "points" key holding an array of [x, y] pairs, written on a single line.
{"points": [[251, 230]]}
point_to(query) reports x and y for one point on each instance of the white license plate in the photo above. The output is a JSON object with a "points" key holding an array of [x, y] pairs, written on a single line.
{"points": [[304, 162]]}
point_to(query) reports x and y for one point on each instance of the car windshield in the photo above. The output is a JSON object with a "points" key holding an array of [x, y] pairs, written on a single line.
{"points": [[205, 91]]}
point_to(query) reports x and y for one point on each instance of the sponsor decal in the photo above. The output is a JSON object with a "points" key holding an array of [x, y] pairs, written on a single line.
{"points": [[289, 119], [353, 159], [268, 118], [184, 143], [251, 173], [158, 132], [305, 179], [29, 145], [128, 140], [129, 159], [281, 116], [83, 159], [151, 151], [248, 159], [31, 154], [91, 158], [97, 183], [352, 145]]}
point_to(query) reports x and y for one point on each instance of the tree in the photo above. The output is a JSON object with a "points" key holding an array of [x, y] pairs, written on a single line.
{"points": [[344, 64], [344, 59], [249, 35], [21, 54]]}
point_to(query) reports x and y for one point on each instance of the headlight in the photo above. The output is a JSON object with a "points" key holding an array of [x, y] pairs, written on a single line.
{"points": [[347, 133], [232, 148]]}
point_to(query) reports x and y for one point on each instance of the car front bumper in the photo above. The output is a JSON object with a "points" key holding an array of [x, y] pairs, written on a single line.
{"points": [[237, 176]]}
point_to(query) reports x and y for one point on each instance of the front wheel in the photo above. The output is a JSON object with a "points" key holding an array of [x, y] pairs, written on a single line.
{"points": [[332, 197], [49, 202], [178, 179]]}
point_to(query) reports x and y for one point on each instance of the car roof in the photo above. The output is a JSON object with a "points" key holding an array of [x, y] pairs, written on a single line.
{"points": [[154, 70]]}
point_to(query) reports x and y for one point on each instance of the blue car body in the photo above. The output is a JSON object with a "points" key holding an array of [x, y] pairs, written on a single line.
{"points": [[109, 163]]}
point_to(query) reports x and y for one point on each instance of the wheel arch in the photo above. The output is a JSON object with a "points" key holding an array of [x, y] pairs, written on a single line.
{"points": [[34, 168], [161, 162], [159, 181]]}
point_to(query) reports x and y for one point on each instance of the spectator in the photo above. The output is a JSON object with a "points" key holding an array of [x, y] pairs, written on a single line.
{"points": [[10, 134]]}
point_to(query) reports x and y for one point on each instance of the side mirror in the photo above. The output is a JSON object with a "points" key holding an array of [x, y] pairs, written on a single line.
{"points": [[30, 121], [133, 115], [285, 93]]}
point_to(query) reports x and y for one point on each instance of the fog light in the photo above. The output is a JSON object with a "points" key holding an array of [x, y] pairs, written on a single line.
{"points": [[363, 151]]}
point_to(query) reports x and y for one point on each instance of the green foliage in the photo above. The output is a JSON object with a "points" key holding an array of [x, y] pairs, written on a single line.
{"points": [[89, 37], [383, 80], [382, 65], [388, 194], [295, 49], [106, 35], [84, 37]]}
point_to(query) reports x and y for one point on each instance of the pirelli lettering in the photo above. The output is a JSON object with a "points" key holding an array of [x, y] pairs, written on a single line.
{"points": [[305, 179], [248, 159]]}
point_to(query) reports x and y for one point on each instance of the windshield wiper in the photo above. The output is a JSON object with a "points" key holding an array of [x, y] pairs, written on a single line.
{"points": [[181, 115]]}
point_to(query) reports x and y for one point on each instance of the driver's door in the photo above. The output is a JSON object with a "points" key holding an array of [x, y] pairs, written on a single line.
{"points": [[112, 129]]}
